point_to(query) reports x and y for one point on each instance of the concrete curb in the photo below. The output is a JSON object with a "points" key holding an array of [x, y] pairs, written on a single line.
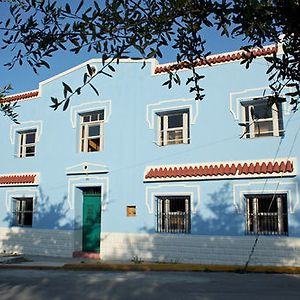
{"points": [[158, 267]]}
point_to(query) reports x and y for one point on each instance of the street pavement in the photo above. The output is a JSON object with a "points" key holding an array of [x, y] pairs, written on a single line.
{"points": [[62, 284]]}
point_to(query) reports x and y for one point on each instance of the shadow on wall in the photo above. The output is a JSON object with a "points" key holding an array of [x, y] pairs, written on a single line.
{"points": [[217, 238], [36, 239], [217, 216], [221, 217], [55, 230], [215, 226]]}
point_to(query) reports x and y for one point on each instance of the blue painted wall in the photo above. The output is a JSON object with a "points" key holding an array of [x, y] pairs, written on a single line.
{"points": [[129, 148]]}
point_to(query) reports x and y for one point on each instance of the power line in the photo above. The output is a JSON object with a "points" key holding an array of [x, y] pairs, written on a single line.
{"points": [[275, 192]]}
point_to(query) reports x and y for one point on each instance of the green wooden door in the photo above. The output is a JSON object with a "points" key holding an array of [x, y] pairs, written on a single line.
{"points": [[91, 223]]}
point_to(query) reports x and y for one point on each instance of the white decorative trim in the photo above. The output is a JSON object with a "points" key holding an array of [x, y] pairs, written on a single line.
{"points": [[37, 125], [185, 189], [173, 104], [89, 107], [87, 168], [222, 177], [278, 187], [88, 181], [21, 192], [235, 99], [152, 61]]}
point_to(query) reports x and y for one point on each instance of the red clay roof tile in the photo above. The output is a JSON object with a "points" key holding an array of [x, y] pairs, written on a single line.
{"points": [[18, 97], [251, 168], [218, 59], [17, 179]]}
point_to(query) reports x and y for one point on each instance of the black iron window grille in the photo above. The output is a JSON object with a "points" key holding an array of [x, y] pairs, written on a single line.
{"points": [[173, 214], [266, 214]]}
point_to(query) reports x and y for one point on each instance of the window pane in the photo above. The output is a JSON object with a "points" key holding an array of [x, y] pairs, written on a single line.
{"points": [[28, 205], [93, 145], [27, 219], [30, 138], [94, 130], [86, 118], [175, 121], [101, 115], [95, 117], [23, 211], [263, 128], [262, 111], [30, 151], [175, 136]]}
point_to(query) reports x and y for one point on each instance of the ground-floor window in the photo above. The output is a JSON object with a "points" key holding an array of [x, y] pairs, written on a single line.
{"points": [[173, 214], [266, 214], [22, 211]]}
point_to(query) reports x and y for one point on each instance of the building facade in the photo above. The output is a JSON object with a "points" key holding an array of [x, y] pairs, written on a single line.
{"points": [[146, 172]]}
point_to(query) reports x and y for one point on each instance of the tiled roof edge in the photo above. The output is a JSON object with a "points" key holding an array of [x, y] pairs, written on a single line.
{"points": [[218, 59], [21, 96]]}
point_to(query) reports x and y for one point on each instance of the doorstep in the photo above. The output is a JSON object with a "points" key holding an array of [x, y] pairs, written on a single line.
{"points": [[88, 255]]}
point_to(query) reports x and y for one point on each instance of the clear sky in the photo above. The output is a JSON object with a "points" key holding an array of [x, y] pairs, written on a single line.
{"points": [[23, 79]]}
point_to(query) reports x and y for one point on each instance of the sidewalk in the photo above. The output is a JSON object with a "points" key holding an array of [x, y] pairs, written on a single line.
{"points": [[59, 263]]}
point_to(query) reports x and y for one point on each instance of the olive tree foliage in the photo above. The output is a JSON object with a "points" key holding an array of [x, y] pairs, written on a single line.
{"points": [[114, 29], [8, 109]]}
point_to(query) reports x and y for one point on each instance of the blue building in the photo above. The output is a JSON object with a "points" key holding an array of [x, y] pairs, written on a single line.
{"points": [[144, 171]]}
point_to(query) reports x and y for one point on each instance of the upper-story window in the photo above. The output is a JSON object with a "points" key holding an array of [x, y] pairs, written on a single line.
{"points": [[27, 143], [262, 118], [91, 131], [173, 127]]}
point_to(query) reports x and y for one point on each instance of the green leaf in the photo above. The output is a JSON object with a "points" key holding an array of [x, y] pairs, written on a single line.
{"points": [[91, 70], [68, 8], [66, 104], [106, 74], [85, 77], [95, 90], [67, 89], [79, 6], [111, 68], [42, 62]]}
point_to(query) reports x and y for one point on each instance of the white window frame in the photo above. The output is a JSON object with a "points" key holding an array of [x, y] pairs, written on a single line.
{"points": [[84, 130], [249, 131], [22, 145], [18, 211], [163, 129]]}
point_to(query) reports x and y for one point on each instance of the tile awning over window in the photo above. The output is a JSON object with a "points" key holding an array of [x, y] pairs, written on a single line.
{"points": [[222, 170], [20, 179]]}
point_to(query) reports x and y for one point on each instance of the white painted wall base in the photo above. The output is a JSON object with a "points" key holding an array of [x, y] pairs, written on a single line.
{"points": [[37, 241], [200, 249]]}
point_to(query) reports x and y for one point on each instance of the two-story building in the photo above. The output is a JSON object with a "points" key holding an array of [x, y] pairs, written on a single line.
{"points": [[144, 171]]}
